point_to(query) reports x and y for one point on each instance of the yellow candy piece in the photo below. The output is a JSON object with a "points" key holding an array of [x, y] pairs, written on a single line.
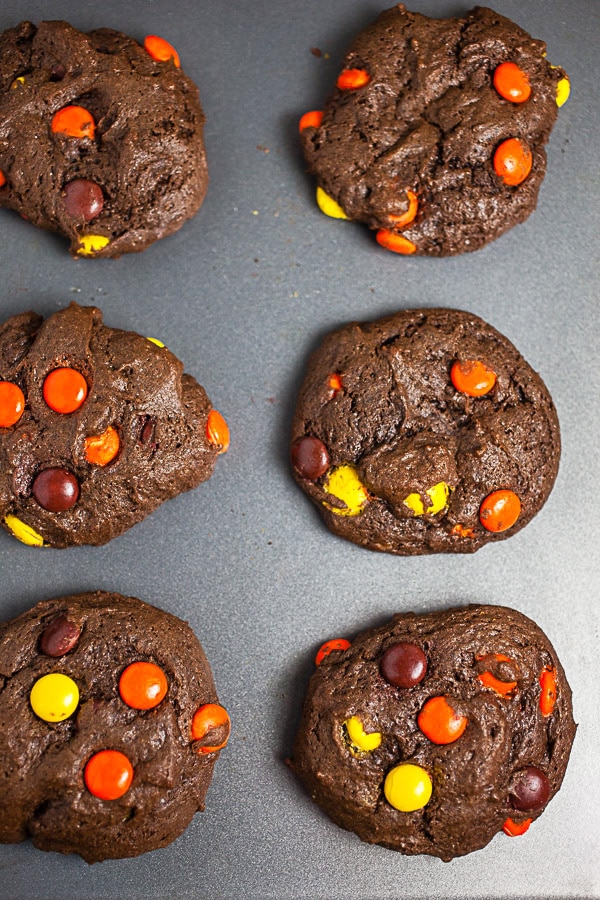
{"points": [[438, 494], [328, 205], [407, 787], [343, 482], [155, 341], [563, 89], [91, 243], [24, 533], [359, 739], [18, 81], [54, 697]]}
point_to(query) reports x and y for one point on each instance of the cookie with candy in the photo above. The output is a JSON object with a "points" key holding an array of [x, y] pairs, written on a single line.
{"points": [[434, 133], [100, 136], [435, 732], [424, 432], [111, 726], [98, 427]]}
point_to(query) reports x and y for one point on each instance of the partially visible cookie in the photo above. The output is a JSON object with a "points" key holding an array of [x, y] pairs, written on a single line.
{"points": [[98, 427], [100, 137], [434, 732], [110, 726], [434, 135], [424, 432]]}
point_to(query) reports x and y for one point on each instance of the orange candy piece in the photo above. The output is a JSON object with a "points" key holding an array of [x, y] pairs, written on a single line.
{"points": [[311, 119], [2, 178], [100, 449], [548, 694], [161, 50], [514, 829], [397, 243], [512, 83], [65, 390], [410, 214], [108, 775], [462, 531], [351, 79], [488, 680], [328, 647], [335, 382], [12, 403], [500, 510], [217, 431], [438, 721], [74, 122], [472, 377], [206, 719], [513, 161], [143, 685]]}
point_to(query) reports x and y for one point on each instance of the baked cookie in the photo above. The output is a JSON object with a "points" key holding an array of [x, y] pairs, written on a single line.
{"points": [[436, 731], [435, 132], [424, 432], [110, 726], [97, 428], [100, 138]]}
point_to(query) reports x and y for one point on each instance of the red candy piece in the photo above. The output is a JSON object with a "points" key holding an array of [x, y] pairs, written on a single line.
{"points": [[328, 647], [143, 685], [438, 721], [161, 50], [12, 404], [108, 775], [2, 178], [514, 829], [65, 390]]}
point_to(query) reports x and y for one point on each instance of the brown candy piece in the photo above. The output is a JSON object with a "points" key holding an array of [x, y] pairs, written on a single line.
{"points": [[83, 199], [59, 637], [56, 489], [530, 789], [310, 457], [403, 665]]}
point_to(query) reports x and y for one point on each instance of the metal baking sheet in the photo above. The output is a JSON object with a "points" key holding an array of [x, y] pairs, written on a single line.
{"points": [[242, 294]]}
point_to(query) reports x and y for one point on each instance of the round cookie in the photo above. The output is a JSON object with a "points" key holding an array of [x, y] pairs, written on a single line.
{"points": [[434, 732], [98, 427], [113, 130], [424, 432], [434, 134], [125, 766]]}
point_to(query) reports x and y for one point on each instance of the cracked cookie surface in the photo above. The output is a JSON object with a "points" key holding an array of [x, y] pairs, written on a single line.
{"points": [[434, 732], [424, 432], [99, 140]]}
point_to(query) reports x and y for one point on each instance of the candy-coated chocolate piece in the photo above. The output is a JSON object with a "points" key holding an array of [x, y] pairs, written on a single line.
{"points": [[54, 697], [352, 79], [161, 50], [512, 83], [329, 647], [83, 199], [56, 489], [489, 680], [462, 531], [438, 494], [101, 449], [514, 829], [73, 122], [143, 685], [403, 664], [156, 341], [59, 637], [335, 382], [407, 787], [358, 738], [65, 390], [310, 457], [92, 243], [12, 403], [500, 510], [217, 431], [328, 205], [397, 243], [310, 119], [108, 774], [147, 430], [18, 82], [210, 727], [563, 91], [548, 690], [439, 722], [2, 178], [513, 161], [23, 532], [529, 790], [344, 484], [472, 377], [405, 218]]}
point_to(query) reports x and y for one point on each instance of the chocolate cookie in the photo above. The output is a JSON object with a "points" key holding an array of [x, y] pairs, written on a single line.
{"points": [[110, 726], [97, 428], [424, 432], [100, 138], [434, 732], [435, 132]]}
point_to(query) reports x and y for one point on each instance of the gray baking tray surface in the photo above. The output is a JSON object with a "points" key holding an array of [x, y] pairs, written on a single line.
{"points": [[242, 294]]}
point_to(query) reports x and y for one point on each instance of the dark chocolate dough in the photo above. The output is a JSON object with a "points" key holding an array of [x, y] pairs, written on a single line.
{"points": [[478, 778], [396, 426], [44, 795], [146, 161], [429, 121], [134, 387]]}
